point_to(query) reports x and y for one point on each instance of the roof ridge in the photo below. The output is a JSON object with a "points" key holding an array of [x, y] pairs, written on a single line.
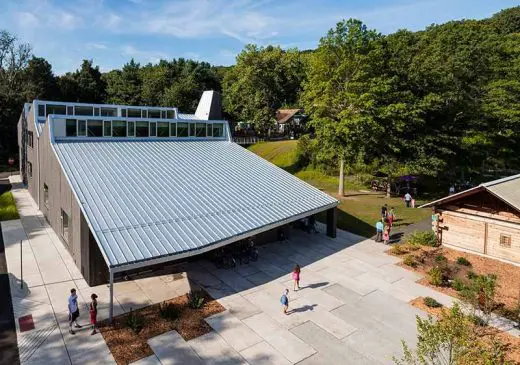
{"points": [[500, 181]]}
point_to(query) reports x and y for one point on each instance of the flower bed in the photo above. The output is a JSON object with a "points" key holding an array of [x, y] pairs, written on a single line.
{"points": [[127, 346]]}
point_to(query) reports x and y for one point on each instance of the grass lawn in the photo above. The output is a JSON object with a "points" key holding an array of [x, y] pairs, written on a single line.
{"points": [[8, 209], [358, 211]]}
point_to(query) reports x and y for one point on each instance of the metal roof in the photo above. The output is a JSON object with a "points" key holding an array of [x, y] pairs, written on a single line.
{"points": [[506, 189], [149, 198]]}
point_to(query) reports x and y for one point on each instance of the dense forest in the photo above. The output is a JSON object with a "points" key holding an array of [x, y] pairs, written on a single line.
{"points": [[438, 101]]}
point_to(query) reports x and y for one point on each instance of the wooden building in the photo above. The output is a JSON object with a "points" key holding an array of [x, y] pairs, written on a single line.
{"points": [[484, 219], [290, 122]]}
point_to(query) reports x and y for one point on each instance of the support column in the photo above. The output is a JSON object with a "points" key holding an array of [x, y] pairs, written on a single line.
{"points": [[111, 307], [332, 222]]}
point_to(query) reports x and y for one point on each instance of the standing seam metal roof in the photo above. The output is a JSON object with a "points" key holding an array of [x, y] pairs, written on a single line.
{"points": [[147, 199]]}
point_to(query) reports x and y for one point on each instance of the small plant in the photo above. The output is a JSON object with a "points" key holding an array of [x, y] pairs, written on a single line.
{"points": [[458, 284], [195, 300], [441, 259], [480, 294], [436, 276], [169, 311], [424, 238], [410, 261], [431, 302], [398, 249], [463, 261], [471, 275], [477, 320], [135, 321]]}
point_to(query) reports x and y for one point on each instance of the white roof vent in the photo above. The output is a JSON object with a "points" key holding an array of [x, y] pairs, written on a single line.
{"points": [[210, 106]]}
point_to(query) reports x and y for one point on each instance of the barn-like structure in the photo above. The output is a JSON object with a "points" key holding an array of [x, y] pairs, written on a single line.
{"points": [[484, 219]]}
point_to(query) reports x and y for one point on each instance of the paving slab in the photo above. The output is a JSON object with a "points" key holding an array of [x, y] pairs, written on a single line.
{"points": [[213, 350], [149, 360], [263, 354], [279, 338], [336, 275], [233, 331], [171, 349], [239, 306], [343, 294]]}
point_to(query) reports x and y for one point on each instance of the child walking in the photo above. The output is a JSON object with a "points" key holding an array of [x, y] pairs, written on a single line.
{"points": [[92, 308], [284, 299], [296, 277], [386, 235], [73, 311]]}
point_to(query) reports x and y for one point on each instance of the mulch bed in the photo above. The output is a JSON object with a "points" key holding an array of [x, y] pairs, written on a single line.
{"points": [[485, 333], [508, 276], [126, 346]]}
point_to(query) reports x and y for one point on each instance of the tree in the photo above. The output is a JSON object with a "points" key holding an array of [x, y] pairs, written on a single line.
{"points": [[40, 82], [124, 86], [85, 85]]}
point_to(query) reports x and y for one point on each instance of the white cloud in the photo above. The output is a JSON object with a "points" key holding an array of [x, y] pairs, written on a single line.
{"points": [[142, 55], [95, 46], [66, 20], [27, 19]]}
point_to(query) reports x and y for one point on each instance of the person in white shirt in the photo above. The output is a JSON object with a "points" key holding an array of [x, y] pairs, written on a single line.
{"points": [[73, 310], [408, 199], [452, 190]]}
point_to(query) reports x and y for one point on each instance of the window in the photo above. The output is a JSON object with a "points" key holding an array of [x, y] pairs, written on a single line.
{"points": [[218, 130], [46, 194], [82, 128], [134, 113], [153, 129], [505, 240], [107, 128], [173, 129], [182, 129], [163, 129], [56, 109], [30, 138], [209, 130], [144, 113], [154, 113], [41, 110], [95, 128], [65, 226], [83, 110], [200, 129], [163, 114], [29, 169], [70, 110], [108, 112], [118, 128], [123, 112], [142, 129], [96, 112], [192, 129], [169, 114], [131, 129], [71, 128]]}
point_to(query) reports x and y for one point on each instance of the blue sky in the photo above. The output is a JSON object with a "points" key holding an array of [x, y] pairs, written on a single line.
{"points": [[113, 31]]}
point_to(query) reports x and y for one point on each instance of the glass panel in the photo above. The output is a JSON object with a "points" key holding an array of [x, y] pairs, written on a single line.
{"points": [[154, 113], [163, 114], [169, 114], [131, 129], [182, 129], [210, 130], [173, 130], [144, 113], [107, 128], [163, 129], [141, 129], [82, 128], [96, 112], [218, 130], [56, 109], [83, 110], [30, 138], [123, 112], [118, 128], [200, 129], [70, 110], [108, 112], [41, 110], [71, 128], [192, 129], [94, 128], [153, 129], [134, 113]]}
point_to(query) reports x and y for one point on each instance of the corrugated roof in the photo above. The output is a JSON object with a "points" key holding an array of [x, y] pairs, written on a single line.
{"points": [[187, 116], [147, 199], [506, 189]]}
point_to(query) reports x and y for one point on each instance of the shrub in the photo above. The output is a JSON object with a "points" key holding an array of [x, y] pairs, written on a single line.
{"points": [[8, 209], [398, 249], [424, 238], [471, 275], [458, 284], [169, 311], [477, 321], [441, 259], [436, 276], [463, 261], [480, 295], [431, 302], [410, 261], [135, 321], [195, 300]]}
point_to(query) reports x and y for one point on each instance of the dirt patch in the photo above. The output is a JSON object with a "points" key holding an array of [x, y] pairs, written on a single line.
{"points": [[126, 346], [484, 333]]}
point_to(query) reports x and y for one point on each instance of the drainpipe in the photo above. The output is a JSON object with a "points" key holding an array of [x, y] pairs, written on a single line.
{"points": [[111, 308]]}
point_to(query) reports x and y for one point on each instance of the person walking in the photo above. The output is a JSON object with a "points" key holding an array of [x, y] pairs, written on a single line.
{"points": [[408, 199], [285, 301], [296, 277], [384, 211], [379, 230], [92, 308], [386, 235], [391, 217], [73, 310]]}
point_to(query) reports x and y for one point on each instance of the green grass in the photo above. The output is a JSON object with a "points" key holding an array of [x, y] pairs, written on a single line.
{"points": [[8, 209], [358, 211]]}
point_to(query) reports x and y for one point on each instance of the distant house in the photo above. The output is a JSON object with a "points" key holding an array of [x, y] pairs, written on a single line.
{"points": [[484, 219], [290, 122]]}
